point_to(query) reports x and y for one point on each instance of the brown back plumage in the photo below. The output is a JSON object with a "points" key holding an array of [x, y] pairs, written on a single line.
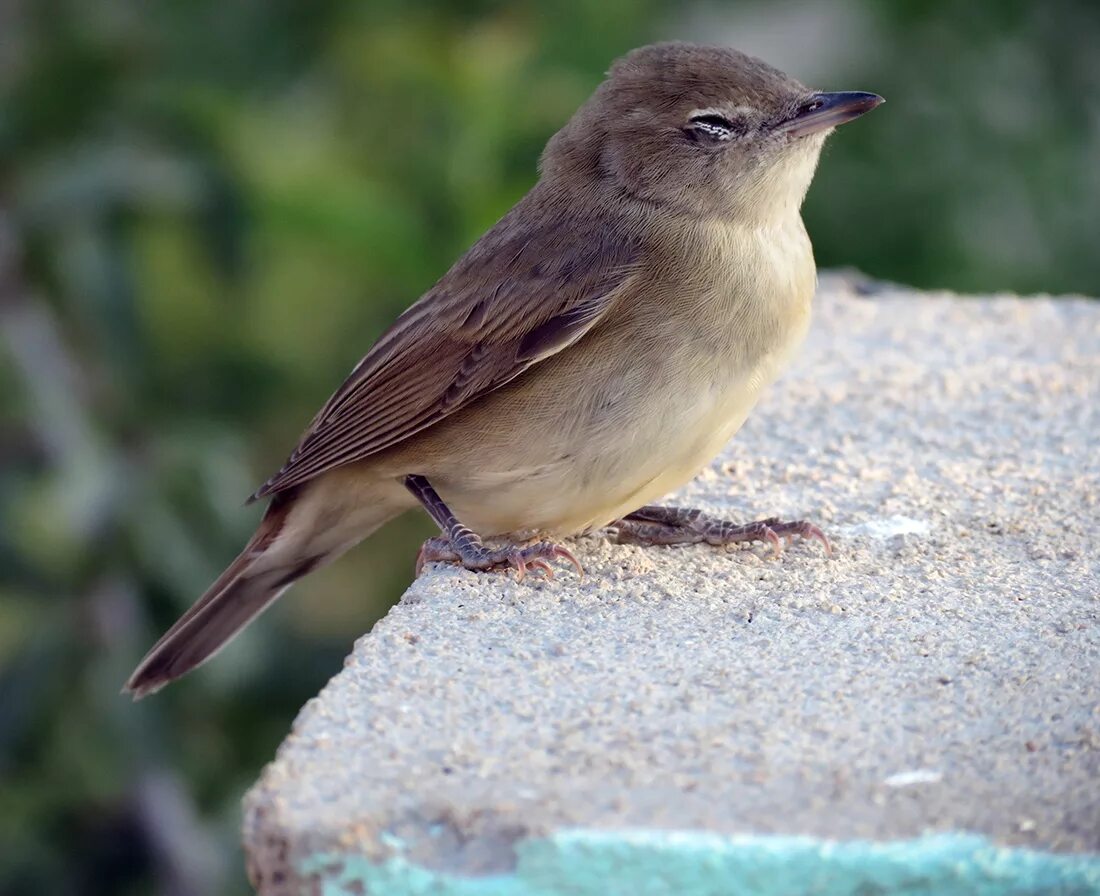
{"points": [[531, 286]]}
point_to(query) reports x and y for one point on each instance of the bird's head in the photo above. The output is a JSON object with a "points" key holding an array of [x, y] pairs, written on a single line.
{"points": [[700, 129]]}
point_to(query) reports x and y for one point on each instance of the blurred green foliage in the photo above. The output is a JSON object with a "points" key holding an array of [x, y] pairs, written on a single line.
{"points": [[208, 210]]}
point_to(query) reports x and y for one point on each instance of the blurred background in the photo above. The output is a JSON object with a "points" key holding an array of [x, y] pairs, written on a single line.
{"points": [[208, 211]]}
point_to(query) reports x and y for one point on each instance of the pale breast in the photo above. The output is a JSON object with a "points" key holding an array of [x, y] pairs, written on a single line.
{"points": [[755, 300], [625, 417]]}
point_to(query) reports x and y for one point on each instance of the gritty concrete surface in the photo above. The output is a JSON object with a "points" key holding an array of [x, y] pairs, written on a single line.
{"points": [[940, 673]]}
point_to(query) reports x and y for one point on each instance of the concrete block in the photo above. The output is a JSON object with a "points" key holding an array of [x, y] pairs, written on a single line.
{"points": [[919, 713]]}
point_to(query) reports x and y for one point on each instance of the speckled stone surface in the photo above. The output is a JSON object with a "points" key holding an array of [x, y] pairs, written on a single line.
{"points": [[940, 673]]}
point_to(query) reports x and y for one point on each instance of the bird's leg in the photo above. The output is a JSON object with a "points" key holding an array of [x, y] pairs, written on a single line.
{"points": [[460, 544], [684, 525]]}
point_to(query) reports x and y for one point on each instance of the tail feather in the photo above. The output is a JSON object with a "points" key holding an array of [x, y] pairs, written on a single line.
{"points": [[191, 642], [304, 527], [246, 588]]}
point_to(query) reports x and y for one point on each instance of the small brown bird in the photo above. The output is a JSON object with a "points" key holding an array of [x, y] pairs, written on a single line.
{"points": [[588, 355]]}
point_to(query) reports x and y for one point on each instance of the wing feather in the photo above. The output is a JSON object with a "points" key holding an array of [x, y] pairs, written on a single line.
{"points": [[517, 297]]}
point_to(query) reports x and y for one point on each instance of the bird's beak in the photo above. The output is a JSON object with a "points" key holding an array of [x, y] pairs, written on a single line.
{"points": [[826, 110]]}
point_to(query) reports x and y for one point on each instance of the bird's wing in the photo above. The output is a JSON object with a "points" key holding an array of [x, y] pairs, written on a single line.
{"points": [[517, 297]]}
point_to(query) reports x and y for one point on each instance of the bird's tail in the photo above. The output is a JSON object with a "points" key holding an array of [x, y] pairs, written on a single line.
{"points": [[248, 586]]}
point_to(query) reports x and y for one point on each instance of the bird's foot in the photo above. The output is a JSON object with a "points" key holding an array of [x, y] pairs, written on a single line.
{"points": [[475, 556], [682, 525], [459, 544]]}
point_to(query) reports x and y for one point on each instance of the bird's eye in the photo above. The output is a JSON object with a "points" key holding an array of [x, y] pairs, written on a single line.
{"points": [[812, 106], [712, 126]]}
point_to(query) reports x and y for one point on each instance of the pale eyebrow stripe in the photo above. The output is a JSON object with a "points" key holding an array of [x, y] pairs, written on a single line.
{"points": [[725, 112]]}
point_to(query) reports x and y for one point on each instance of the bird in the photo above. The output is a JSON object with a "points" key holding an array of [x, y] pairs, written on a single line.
{"points": [[588, 355]]}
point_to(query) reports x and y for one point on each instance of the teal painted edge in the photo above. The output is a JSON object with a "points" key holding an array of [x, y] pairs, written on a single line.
{"points": [[655, 863]]}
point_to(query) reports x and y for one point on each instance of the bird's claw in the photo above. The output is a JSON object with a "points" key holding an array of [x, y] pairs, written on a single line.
{"points": [[781, 535], [523, 560], [539, 556], [800, 528]]}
